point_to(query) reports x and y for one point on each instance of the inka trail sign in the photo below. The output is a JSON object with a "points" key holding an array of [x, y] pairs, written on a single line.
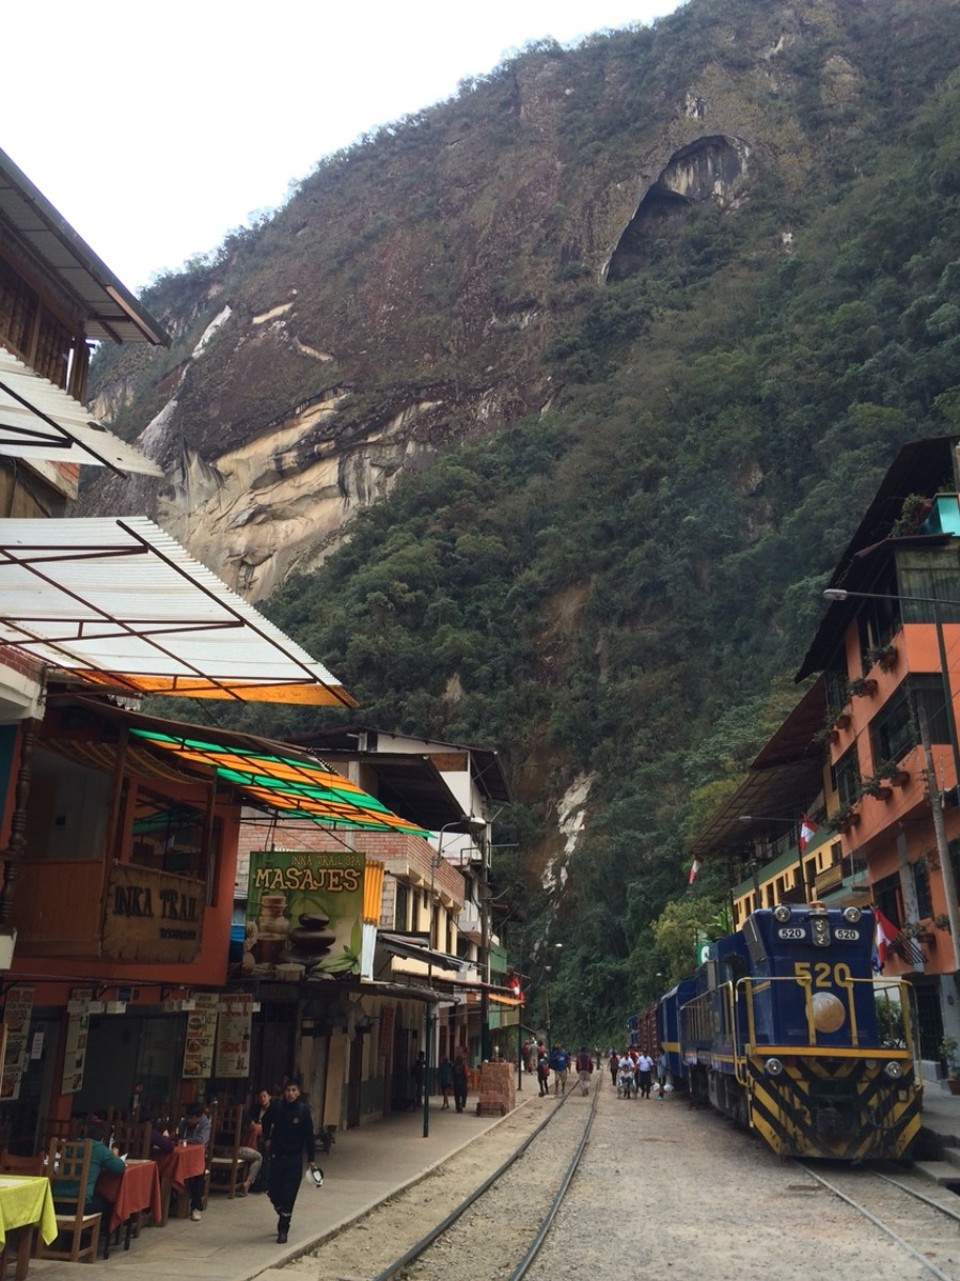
{"points": [[151, 915]]}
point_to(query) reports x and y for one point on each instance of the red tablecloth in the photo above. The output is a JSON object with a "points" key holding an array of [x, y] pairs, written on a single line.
{"points": [[138, 1188], [182, 1163]]}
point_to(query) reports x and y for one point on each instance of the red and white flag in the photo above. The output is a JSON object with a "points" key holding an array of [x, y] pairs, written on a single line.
{"points": [[886, 932], [807, 829], [694, 869]]}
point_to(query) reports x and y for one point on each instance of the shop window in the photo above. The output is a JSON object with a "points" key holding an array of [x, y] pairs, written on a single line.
{"points": [[171, 836]]}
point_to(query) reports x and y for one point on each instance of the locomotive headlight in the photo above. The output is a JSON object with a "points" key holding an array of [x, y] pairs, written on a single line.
{"points": [[851, 915], [893, 1070], [773, 1067], [782, 913]]}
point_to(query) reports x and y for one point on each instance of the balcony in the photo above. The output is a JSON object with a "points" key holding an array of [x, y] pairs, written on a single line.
{"points": [[470, 925]]}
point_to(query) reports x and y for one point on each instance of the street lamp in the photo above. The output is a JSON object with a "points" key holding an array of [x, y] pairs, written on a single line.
{"points": [[946, 867], [431, 1020]]}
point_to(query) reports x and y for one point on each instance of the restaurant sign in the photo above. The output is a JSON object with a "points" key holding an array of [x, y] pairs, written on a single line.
{"points": [[151, 915], [304, 913]]}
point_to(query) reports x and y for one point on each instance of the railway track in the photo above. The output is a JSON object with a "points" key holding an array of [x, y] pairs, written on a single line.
{"points": [[491, 1204], [919, 1217]]}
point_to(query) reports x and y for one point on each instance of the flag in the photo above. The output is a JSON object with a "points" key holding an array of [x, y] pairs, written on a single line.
{"points": [[694, 869], [885, 934], [807, 829]]}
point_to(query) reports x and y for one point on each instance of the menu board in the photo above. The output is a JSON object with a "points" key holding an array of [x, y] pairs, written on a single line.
{"points": [[16, 1025], [233, 1036], [74, 1053], [201, 1042]]}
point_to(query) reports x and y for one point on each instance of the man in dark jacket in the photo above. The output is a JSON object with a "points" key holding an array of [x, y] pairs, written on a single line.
{"points": [[287, 1138]]}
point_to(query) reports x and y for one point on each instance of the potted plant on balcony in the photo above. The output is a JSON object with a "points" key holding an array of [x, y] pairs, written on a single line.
{"points": [[885, 656], [846, 818], [862, 686], [894, 775], [876, 787]]}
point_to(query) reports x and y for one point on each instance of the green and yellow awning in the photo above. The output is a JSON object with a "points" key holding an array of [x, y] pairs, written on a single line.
{"points": [[290, 784]]}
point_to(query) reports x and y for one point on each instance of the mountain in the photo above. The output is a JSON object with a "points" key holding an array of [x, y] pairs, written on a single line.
{"points": [[542, 415]]}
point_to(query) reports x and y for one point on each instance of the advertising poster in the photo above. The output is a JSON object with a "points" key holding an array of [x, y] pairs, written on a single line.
{"points": [[233, 1037], [304, 913], [201, 1041], [74, 1053], [16, 1025]]}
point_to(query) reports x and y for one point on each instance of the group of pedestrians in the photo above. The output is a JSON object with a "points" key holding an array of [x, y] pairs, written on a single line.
{"points": [[556, 1063], [638, 1065]]}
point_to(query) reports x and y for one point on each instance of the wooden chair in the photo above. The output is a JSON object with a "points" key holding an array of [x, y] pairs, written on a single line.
{"points": [[132, 1139], [68, 1161], [35, 1166], [228, 1169]]}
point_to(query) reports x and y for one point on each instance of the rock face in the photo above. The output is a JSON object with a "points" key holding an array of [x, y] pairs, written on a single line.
{"points": [[414, 290]]}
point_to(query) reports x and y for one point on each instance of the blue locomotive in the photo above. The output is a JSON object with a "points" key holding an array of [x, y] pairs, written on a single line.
{"points": [[786, 1029]]}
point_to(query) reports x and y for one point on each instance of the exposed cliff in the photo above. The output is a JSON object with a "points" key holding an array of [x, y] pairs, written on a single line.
{"points": [[411, 292]]}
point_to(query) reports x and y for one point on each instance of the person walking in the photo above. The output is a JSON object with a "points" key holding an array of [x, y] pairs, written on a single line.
{"points": [[460, 1082], [644, 1073], [663, 1069], [287, 1137], [584, 1069], [559, 1063], [445, 1076], [613, 1062], [419, 1076], [543, 1071]]}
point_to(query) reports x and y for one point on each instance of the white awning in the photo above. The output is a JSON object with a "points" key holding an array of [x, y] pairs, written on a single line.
{"points": [[38, 420], [120, 603]]}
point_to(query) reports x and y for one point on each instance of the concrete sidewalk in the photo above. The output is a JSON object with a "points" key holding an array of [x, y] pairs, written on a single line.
{"points": [[236, 1240]]}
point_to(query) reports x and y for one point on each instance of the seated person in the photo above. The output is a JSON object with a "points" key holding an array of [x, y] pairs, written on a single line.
{"points": [[160, 1140], [101, 1159], [196, 1129]]}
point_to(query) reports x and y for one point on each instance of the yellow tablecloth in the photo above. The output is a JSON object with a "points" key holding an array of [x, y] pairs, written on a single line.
{"points": [[26, 1199]]}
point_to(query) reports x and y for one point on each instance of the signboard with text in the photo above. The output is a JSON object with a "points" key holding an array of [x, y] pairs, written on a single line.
{"points": [[151, 915], [304, 912]]}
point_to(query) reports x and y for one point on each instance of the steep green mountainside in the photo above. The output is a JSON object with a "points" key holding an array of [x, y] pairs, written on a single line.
{"points": [[626, 336]]}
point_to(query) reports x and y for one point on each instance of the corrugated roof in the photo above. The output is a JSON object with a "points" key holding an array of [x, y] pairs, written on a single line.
{"points": [[112, 312], [121, 603], [39, 420]]}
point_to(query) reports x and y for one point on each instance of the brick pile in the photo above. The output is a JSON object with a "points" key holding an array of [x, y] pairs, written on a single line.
{"points": [[496, 1089]]}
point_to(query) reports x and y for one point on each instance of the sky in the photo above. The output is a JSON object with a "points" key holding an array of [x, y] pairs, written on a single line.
{"points": [[156, 130]]}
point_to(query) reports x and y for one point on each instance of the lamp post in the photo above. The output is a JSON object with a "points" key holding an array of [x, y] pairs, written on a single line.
{"points": [[946, 867]]}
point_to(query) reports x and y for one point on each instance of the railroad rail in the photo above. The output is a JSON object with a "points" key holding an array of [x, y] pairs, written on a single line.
{"points": [[843, 1184], [577, 1135]]}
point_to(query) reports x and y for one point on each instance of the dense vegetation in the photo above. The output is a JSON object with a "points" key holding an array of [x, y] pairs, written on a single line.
{"points": [[621, 588]]}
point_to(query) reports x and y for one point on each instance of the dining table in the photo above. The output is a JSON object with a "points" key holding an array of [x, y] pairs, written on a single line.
{"points": [[184, 1161], [26, 1207], [130, 1193]]}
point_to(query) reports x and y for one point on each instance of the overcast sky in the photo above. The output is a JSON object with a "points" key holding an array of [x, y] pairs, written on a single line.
{"points": [[155, 130]]}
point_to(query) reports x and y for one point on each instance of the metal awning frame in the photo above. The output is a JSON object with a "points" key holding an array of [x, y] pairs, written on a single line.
{"points": [[58, 646]]}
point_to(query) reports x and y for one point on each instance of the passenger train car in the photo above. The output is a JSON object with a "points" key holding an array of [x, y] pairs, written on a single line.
{"points": [[786, 1029]]}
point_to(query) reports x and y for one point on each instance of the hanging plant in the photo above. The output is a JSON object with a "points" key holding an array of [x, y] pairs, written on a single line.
{"points": [[874, 787], [884, 655], [862, 686]]}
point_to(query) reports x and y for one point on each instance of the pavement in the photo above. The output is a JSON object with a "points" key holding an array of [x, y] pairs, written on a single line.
{"points": [[236, 1239]]}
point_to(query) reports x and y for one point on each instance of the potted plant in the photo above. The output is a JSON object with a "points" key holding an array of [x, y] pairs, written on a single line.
{"points": [[846, 818], [862, 686], [948, 1053], [885, 656], [875, 787]]}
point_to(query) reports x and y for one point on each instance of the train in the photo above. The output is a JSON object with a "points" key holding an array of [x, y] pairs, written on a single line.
{"points": [[787, 1029]]}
